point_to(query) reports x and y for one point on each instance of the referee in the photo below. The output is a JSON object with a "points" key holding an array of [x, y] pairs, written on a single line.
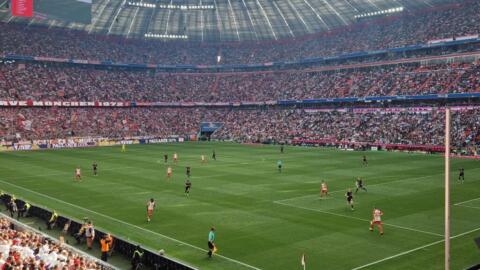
{"points": [[211, 240]]}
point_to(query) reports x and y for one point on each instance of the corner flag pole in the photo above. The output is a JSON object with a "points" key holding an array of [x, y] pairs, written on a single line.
{"points": [[447, 188]]}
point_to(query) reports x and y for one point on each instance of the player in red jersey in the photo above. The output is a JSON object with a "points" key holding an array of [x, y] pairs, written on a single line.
{"points": [[78, 174], [323, 189], [377, 220], [169, 172], [150, 208]]}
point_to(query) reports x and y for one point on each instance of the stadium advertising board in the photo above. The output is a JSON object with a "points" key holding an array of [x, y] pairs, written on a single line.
{"points": [[22, 8], [32, 103], [81, 142]]}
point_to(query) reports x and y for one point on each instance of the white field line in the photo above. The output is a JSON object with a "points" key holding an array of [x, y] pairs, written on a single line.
{"points": [[467, 206], [128, 224], [356, 218], [344, 190], [460, 203], [413, 250]]}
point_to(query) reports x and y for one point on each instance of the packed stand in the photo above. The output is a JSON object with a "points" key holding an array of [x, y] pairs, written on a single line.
{"points": [[59, 83], [409, 128], [21, 249], [454, 20], [244, 125]]}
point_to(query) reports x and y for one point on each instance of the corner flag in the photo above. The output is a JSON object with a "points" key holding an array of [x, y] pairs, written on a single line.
{"points": [[302, 261]]}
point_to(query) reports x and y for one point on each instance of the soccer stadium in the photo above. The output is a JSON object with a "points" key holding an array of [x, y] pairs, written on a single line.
{"points": [[239, 134]]}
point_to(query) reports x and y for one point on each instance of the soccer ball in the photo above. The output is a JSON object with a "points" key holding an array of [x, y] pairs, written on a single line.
{"points": [[161, 252]]}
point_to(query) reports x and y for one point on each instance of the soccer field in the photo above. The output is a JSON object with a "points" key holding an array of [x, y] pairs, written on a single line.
{"points": [[264, 219]]}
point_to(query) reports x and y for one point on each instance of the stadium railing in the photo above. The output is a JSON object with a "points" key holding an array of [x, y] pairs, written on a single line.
{"points": [[121, 246]]}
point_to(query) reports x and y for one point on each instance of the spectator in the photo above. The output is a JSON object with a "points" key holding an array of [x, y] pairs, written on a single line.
{"points": [[105, 243], [53, 219], [90, 234]]}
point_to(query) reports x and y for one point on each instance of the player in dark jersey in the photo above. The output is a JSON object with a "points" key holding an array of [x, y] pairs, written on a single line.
{"points": [[94, 167], [188, 171], [281, 148], [359, 184], [365, 161], [349, 196], [461, 175], [188, 185], [214, 156], [165, 158]]}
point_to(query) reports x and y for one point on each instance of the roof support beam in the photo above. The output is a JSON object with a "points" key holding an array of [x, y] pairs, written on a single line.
{"points": [[299, 16], [250, 18], [316, 13], [268, 20], [283, 17], [116, 16], [133, 20], [336, 12], [219, 22], [99, 15], [234, 19]]}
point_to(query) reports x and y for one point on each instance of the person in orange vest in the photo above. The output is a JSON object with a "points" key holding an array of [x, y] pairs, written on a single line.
{"points": [[105, 243]]}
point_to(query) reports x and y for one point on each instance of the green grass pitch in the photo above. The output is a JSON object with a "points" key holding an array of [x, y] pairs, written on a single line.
{"points": [[264, 219]]}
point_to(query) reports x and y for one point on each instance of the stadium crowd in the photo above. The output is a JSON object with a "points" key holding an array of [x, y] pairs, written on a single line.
{"points": [[22, 249], [55, 83], [454, 20], [245, 125]]}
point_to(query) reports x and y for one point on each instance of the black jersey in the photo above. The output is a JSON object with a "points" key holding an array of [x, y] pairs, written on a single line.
{"points": [[349, 195], [165, 157], [359, 183], [94, 166], [462, 172]]}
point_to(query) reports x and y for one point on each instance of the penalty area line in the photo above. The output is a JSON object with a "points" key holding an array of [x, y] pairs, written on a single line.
{"points": [[472, 200], [345, 189], [413, 250], [129, 224], [360, 219]]}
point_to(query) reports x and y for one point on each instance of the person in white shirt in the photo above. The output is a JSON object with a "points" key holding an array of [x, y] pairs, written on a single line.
{"points": [[90, 234], [4, 249]]}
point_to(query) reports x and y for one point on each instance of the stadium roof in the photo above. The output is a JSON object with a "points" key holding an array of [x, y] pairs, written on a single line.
{"points": [[226, 20]]}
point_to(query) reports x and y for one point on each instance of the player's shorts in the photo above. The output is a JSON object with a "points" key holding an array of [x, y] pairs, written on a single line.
{"points": [[150, 212], [78, 175], [325, 190], [169, 174], [187, 188], [350, 199], [279, 166], [376, 222], [210, 245]]}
